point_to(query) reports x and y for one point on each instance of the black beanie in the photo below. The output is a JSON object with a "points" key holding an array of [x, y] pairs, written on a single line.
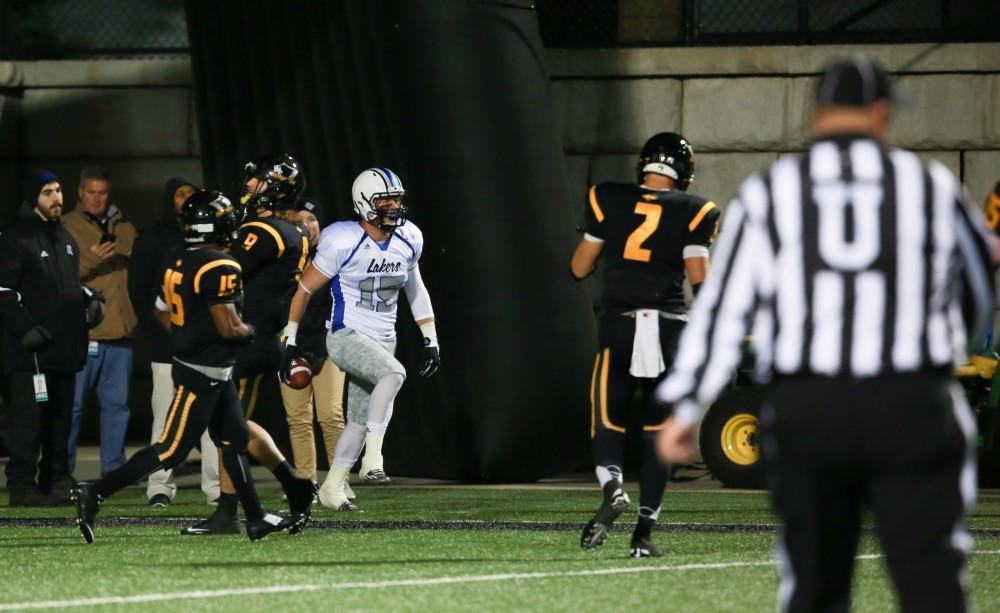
{"points": [[308, 204], [34, 181]]}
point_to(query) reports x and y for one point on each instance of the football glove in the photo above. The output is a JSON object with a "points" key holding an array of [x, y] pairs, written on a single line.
{"points": [[432, 358], [93, 302]]}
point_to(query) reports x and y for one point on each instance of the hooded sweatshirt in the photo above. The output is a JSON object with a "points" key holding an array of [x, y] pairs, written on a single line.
{"points": [[154, 249]]}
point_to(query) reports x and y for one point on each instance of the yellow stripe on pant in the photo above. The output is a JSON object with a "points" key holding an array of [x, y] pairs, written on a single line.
{"points": [[170, 416], [180, 428]]}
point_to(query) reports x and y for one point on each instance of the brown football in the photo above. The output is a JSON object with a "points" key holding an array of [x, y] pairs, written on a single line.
{"points": [[299, 374]]}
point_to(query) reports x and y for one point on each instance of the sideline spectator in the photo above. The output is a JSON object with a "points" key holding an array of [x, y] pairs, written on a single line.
{"points": [[45, 312], [327, 386], [105, 241], [154, 249]]}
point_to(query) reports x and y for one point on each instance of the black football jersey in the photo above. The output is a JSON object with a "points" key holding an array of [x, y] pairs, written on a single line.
{"points": [[196, 280], [272, 252], [645, 232]]}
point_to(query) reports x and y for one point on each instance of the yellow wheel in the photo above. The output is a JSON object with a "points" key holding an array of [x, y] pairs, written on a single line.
{"points": [[739, 439]]}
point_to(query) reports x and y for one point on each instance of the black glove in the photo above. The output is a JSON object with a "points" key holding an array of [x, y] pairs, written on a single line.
{"points": [[93, 303], [432, 359], [35, 339]]}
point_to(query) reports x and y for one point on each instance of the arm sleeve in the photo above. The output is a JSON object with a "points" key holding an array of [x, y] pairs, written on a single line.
{"points": [[16, 318], [220, 284], [416, 294], [593, 215], [709, 347]]}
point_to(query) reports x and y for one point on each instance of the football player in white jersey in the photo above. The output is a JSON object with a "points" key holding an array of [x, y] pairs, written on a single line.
{"points": [[366, 263]]}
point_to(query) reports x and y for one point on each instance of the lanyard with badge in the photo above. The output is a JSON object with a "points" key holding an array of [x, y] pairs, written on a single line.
{"points": [[38, 379]]}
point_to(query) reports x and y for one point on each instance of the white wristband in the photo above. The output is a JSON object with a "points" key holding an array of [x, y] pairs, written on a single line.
{"points": [[291, 329]]}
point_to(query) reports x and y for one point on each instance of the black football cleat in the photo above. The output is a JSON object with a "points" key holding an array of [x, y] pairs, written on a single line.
{"points": [[216, 523], [644, 547], [271, 522], [375, 476], [615, 503], [87, 504]]}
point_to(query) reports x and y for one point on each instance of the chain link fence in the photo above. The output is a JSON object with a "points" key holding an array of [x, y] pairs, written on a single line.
{"points": [[618, 23], [76, 29]]}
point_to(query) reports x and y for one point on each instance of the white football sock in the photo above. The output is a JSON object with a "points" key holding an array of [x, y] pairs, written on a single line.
{"points": [[608, 473]]}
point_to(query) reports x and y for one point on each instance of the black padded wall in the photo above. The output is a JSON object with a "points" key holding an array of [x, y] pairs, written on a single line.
{"points": [[452, 95]]}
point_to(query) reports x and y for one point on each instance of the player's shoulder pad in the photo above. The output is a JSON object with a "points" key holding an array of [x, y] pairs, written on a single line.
{"points": [[212, 265], [266, 233], [341, 234], [412, 235]]}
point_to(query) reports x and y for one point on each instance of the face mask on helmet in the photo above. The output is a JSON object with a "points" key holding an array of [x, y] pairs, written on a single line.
{"points": [[209, 217], [378, 198], [273, 183]]}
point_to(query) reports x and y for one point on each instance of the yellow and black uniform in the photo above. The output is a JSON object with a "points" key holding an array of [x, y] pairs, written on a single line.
{"points": [[272, 252], [205, 396], [646, 235]]}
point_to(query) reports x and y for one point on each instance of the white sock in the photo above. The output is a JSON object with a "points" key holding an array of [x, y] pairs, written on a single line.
{"points": [[333, 485], [382, 397], [608, 473], [349, 445], [373, 450]]}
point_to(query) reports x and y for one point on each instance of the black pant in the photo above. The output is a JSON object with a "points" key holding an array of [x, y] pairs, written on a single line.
{"points": [[35, 427], [200, 403], [902, 447], [612, 390], [612, 387]]}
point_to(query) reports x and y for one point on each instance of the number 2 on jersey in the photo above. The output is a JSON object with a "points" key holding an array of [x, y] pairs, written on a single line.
{"points": [[633, 246]]}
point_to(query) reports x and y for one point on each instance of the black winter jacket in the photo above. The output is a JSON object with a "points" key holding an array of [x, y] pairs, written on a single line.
{"points": [[153, 250], [39, 285]]}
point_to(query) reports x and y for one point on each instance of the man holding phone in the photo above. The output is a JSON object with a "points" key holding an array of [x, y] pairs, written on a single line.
{"points": [[105, 239]]}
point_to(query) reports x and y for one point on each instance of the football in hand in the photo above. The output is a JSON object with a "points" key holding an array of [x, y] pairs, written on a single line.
{"points": [[299, 374]]}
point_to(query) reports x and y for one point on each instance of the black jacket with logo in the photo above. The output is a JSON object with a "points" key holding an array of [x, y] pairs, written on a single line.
{"points": [[39, 285]]}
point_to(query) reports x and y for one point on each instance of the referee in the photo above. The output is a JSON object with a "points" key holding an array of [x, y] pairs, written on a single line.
{"points": [[864, 276]]}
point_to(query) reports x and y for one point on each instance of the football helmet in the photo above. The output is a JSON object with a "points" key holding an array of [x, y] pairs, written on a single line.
{"points": [[209, 217], [279, 183], [668, 154], [372, 190]]}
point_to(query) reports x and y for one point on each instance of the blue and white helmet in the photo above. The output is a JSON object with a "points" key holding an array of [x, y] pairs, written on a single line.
{"points": [[373, 185]]}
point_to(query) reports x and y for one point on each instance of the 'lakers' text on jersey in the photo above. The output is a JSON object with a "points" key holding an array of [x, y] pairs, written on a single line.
{"points": [[196, 280], [646, 235], [272, 252], [366, 276]]}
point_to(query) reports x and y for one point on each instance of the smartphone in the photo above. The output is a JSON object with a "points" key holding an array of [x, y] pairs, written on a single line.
{"points": [[107, 238]]}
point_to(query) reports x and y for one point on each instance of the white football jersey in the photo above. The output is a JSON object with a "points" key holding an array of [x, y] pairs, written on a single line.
{"points": [[366, 276]]}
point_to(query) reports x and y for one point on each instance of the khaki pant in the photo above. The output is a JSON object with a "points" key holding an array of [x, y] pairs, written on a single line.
{"points": [[328, 389]]}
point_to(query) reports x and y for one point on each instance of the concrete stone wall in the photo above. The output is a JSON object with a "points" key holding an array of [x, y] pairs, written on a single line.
{"points": [[136, 117], [743, 107]]}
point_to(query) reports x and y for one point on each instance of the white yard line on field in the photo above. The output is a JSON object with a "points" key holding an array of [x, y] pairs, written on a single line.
{"points": [[314, 587]]}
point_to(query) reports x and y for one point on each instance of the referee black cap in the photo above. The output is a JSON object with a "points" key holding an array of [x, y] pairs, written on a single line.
{"points": [[854, 81]]}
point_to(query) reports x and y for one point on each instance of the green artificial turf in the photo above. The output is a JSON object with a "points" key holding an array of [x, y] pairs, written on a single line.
{"points": [[365, 567]]}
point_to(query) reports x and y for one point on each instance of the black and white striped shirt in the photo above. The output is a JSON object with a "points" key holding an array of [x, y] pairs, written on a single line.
{"points": [[849, 261]]}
